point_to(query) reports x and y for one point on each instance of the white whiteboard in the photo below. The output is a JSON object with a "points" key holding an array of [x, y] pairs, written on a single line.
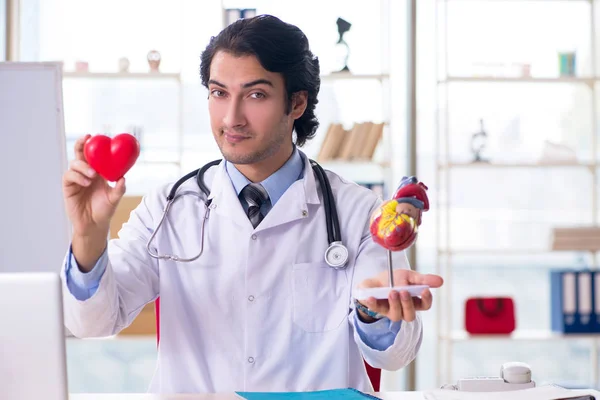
{"points": [[35, 232]]}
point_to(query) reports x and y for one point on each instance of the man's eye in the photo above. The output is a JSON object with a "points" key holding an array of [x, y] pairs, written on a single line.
{"points": [[216, 93], [258, 95]]}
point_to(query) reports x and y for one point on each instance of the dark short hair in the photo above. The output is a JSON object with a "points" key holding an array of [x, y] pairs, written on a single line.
{"points": [[279, 47]]}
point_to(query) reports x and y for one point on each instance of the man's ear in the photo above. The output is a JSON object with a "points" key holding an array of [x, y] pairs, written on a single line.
{"points": [[299, 103]]}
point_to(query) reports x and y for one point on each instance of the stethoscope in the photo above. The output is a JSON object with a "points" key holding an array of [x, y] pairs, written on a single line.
{"points": [[336, 255]]}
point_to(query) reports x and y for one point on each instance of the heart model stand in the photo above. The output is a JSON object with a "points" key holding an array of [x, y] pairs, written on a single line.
{"points": [[394, 226]]}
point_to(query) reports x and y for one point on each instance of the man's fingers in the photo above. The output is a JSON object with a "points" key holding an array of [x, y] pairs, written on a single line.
{"points": [[379, 306], [408, 307], [72, 177], [115, 193], [425, 301], [395, 313], [79, 144], [83, 168], [400, 306], [415, 278]]}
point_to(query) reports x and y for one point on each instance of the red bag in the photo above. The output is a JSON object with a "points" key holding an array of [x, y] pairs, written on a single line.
{"points": [[489, 315]]}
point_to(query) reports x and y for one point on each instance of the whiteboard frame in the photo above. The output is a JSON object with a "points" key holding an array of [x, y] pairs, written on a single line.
{"points": [[57, 69]]}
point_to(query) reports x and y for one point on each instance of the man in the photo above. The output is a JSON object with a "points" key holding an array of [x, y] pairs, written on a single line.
{"points": [[259, 309]]}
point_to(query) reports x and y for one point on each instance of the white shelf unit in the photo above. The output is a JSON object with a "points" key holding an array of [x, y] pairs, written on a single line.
{"points": [[447, 335], [359, 171], [146, 76], [366, 171]]}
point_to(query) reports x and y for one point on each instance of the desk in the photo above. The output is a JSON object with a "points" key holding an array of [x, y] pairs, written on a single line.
{"points": [[223, 396]]}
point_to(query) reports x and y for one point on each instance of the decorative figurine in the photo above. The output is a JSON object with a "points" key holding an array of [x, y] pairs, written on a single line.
{"points": [[123, 64], [342, 48], [233, 14], [478, 142], [154, 60], [82, 66]]}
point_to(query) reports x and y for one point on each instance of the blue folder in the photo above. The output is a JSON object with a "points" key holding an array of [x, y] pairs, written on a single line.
{"points": [[572, 305], [334, 394]]}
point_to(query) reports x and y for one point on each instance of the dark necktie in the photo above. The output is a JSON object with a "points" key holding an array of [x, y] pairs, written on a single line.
{"points": [[255, 195]]}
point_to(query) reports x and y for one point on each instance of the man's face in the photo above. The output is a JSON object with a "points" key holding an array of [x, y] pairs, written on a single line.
{"points": [[247, 109]]}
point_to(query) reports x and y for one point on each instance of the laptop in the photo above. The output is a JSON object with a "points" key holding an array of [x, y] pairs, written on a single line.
{"points": [[32, 337]]}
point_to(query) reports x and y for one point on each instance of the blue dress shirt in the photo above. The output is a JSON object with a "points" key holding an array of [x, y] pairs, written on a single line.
{"points": [[378, 335]]}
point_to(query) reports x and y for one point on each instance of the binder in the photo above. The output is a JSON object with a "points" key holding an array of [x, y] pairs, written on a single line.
{"points": [[596, 302], [573, 305], [584, 312]]}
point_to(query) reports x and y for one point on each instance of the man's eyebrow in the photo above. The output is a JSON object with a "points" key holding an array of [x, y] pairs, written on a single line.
{"points": [[212, 81], [257, 82], [245, 85]]}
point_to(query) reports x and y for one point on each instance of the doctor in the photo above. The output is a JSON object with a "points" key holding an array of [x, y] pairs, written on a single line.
{"points": [[259, 309]]}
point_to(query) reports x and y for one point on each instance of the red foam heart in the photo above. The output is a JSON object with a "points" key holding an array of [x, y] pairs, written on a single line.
{"points": [[112, 158]]}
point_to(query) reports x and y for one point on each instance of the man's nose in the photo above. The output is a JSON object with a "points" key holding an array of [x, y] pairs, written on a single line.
{"points": [[234, 116]]}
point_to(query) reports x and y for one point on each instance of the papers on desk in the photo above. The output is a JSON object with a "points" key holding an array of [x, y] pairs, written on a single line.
{"points": [[346, 394], [549, 392]]}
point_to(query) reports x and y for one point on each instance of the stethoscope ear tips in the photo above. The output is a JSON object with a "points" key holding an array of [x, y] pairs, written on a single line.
{"points": [[336, 255]]}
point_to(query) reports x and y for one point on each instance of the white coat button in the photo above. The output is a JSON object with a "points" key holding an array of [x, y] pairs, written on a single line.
{"points": [[253, 237], [213, 206], [251, 360], [304, 213], [251, 298]]}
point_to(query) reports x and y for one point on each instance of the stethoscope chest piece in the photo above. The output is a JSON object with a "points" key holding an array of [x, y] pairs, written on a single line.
{"points": [[336, 255]]}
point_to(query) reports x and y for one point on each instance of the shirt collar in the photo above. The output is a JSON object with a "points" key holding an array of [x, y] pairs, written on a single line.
{"points": [[277, 183]]}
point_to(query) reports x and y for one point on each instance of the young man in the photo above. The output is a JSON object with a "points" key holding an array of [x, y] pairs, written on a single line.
{"points": [[259, 309]]}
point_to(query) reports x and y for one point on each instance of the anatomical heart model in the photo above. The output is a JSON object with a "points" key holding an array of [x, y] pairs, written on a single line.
{"points": [[395, 224]]}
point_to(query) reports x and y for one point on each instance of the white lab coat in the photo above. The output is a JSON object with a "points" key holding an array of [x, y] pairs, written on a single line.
{"points": [[260, 310]]}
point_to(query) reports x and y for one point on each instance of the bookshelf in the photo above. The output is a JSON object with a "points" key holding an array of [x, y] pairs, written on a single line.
{"points": [[495, 177]]}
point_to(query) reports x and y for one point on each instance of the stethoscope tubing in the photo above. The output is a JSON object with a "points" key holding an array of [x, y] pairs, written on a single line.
{"points": [[334, 236]]}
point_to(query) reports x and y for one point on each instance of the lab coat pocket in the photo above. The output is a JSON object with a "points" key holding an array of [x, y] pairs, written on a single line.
{"points": [[320, 296]]}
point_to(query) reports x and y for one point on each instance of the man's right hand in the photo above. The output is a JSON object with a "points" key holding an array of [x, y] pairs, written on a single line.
{"points": [[90, 203]]}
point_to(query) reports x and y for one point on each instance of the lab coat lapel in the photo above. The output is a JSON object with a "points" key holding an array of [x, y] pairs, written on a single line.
{"points": [[293, 205], [225, 201]]}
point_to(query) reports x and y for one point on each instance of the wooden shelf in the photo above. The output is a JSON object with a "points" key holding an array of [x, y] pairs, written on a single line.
{"points": [[162, 75], [523, 1], [498, 79], [349, 76], [358, 171], [523, 335], [507, 252], [516, 165], [122, 75], [157, 162]]}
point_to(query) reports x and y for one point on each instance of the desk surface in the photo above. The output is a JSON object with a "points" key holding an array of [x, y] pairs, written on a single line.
{"points": [[222, 396]]}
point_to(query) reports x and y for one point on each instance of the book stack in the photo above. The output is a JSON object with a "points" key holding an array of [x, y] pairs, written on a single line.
{"points": [[357, 144], [576, 239]]}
